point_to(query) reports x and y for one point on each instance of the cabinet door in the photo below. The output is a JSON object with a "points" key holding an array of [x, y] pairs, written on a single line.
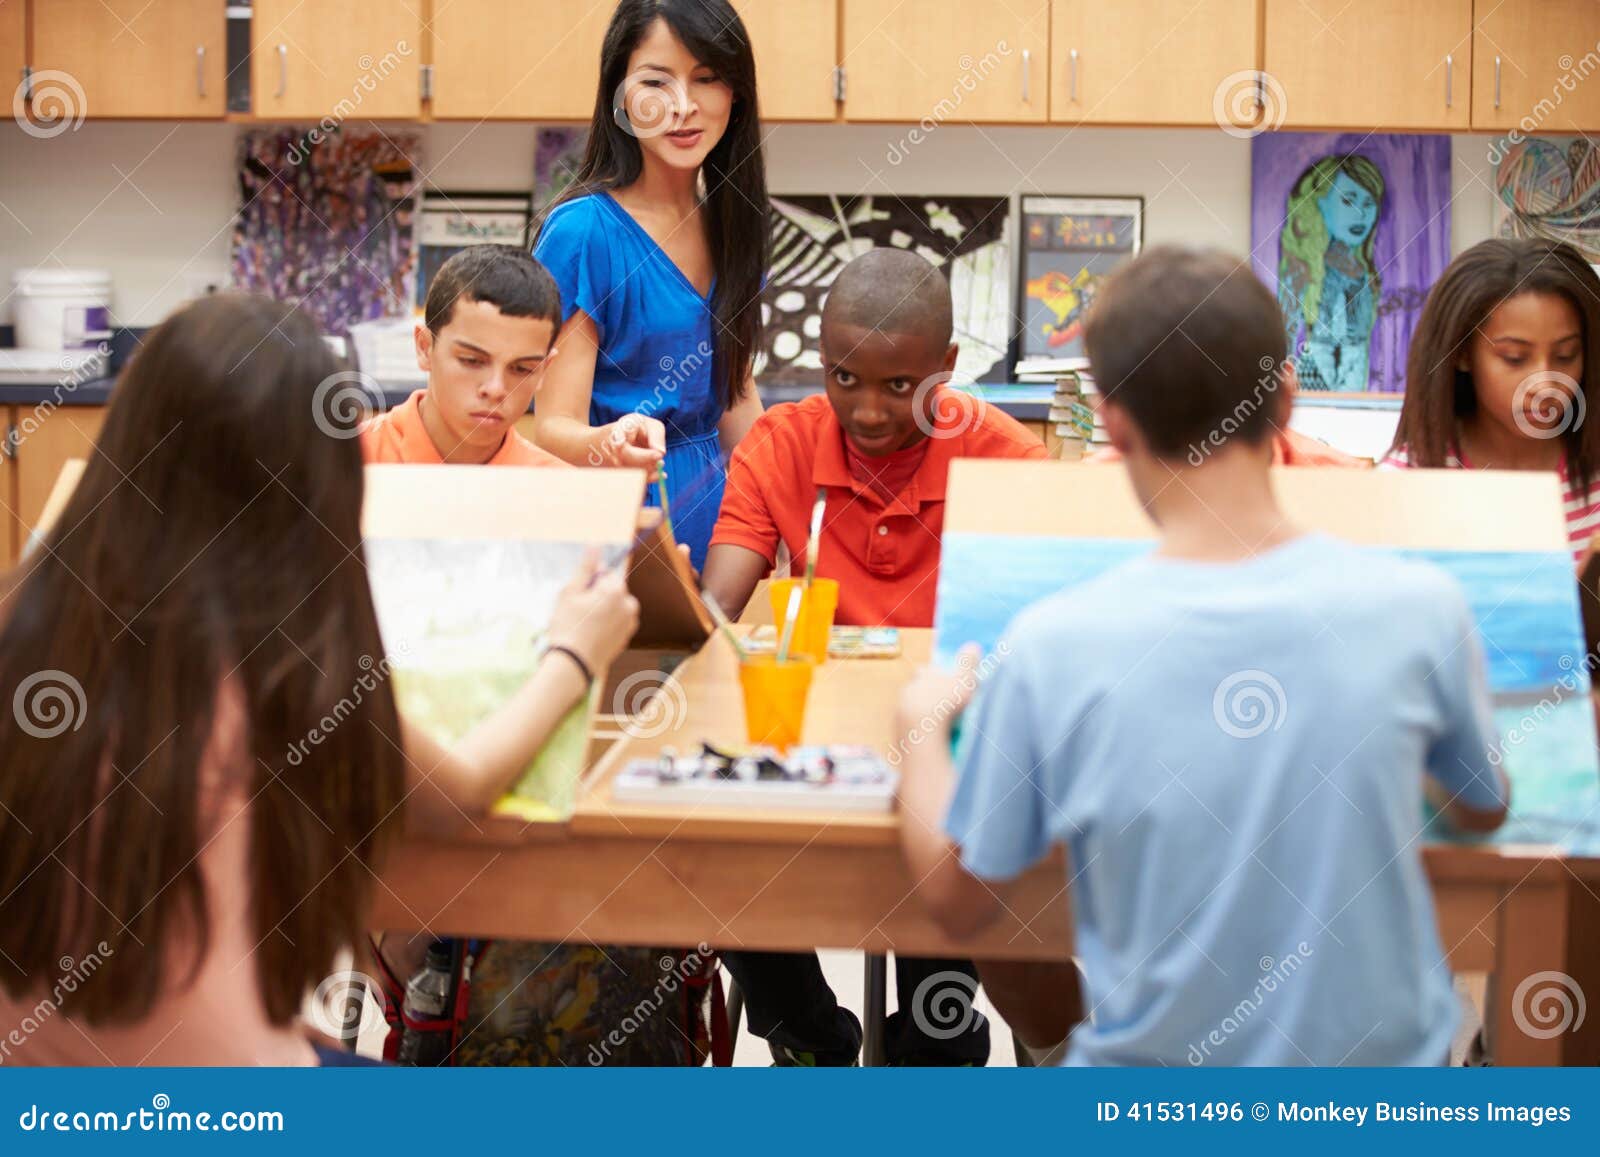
{"points": [[511, 60], [1173, 62], [13, 44], [796, 44], [1371, 64], [128, 58], [337, 59], [1533, 66], [48, 442], [946, 60]]}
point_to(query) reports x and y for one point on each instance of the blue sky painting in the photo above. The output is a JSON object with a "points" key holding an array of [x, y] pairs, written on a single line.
{"points": [[1525, 605]]}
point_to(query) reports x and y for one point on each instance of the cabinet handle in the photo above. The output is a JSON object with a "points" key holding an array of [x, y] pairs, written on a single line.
{"points": [[200, 69], [283, 69], [1072, 76], [1497, 82], [1449, 79], [1027, 74]]}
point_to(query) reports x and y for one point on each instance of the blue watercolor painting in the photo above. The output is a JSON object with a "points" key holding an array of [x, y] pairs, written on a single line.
{"points": [[1525, 605]]}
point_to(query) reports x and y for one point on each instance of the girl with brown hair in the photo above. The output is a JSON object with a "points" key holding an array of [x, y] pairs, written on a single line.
{"points": [[200, 604], [1496, 379]]}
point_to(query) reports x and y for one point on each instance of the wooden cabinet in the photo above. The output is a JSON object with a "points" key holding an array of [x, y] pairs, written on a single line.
{"points": [[48, 442], [938, 61], [511, 60], [128, 58], [1533, 65], [1370, 64], [338, 59], [796, 43], [1179, 62], [11, 532], [13, 44]]}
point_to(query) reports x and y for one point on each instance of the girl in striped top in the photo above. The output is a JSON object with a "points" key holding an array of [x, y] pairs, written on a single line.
{"points": [[1495, 377]]}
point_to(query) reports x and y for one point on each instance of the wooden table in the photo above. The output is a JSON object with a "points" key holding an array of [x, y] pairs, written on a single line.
{"points": [[625, 874]]}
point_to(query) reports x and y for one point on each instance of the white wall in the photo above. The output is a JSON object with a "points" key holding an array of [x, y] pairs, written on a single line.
{"points": [[153, 202]]}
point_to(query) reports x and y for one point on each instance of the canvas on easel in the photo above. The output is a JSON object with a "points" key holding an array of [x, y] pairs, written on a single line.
{"points": [[466, 565], [1501, 535]]}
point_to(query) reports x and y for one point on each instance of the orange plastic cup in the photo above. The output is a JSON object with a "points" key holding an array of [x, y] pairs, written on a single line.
{"points": [[812, 628], [775, 699]]}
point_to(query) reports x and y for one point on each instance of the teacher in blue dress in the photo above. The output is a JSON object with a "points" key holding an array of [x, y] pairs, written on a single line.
{"points": [[660, 250]]}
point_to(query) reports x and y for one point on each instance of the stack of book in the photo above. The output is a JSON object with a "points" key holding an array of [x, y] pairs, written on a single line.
{"points": [[1076, 427]]}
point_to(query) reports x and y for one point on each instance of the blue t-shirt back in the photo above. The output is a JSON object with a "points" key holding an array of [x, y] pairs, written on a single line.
{"points": [[1233, 756]]}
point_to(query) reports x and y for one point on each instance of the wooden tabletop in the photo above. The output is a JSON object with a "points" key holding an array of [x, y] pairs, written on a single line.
{"points": [[851, 701]]}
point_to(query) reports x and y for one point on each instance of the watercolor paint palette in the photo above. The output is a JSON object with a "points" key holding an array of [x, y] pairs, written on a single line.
{"points": [[834, 778]]}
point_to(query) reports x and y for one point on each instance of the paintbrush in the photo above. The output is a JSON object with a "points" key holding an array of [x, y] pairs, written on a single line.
{"points": [[791, 615], [661, 492], [814, 543], [723, 625]]}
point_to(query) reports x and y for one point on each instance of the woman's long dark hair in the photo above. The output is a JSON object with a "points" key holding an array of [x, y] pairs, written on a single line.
{"points": [[1439, 395], [734, 171], [210, 555]]}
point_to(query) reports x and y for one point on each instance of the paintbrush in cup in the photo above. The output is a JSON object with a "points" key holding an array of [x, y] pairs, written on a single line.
{"points": [[814, 543], [791, 615]]}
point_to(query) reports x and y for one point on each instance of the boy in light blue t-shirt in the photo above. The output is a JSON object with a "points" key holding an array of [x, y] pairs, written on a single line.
{"points": [[1230, 735]]}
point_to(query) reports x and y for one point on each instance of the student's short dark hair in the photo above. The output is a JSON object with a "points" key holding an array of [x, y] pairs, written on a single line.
{"points": [[1188, 342], [506, 277]]}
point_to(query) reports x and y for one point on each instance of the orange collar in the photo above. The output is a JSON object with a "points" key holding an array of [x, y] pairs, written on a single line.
{"points": [[829, 468]]}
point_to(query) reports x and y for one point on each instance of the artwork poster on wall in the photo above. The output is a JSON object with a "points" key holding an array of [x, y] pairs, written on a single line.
{"points": [[1350, 230]]}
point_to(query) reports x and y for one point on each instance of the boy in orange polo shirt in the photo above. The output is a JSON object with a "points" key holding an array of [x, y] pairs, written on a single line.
{"points": [[879, 444], [491, 314]]}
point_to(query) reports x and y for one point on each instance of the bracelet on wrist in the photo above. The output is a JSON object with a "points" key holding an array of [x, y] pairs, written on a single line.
{"points": [[577, 661]]}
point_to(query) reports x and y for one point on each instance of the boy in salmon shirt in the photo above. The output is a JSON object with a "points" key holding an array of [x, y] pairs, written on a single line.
{"points": [[491, 315], [880, 443]]}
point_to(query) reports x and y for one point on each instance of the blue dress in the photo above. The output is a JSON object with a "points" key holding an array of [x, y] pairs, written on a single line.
{"points": [[655, 348]]}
